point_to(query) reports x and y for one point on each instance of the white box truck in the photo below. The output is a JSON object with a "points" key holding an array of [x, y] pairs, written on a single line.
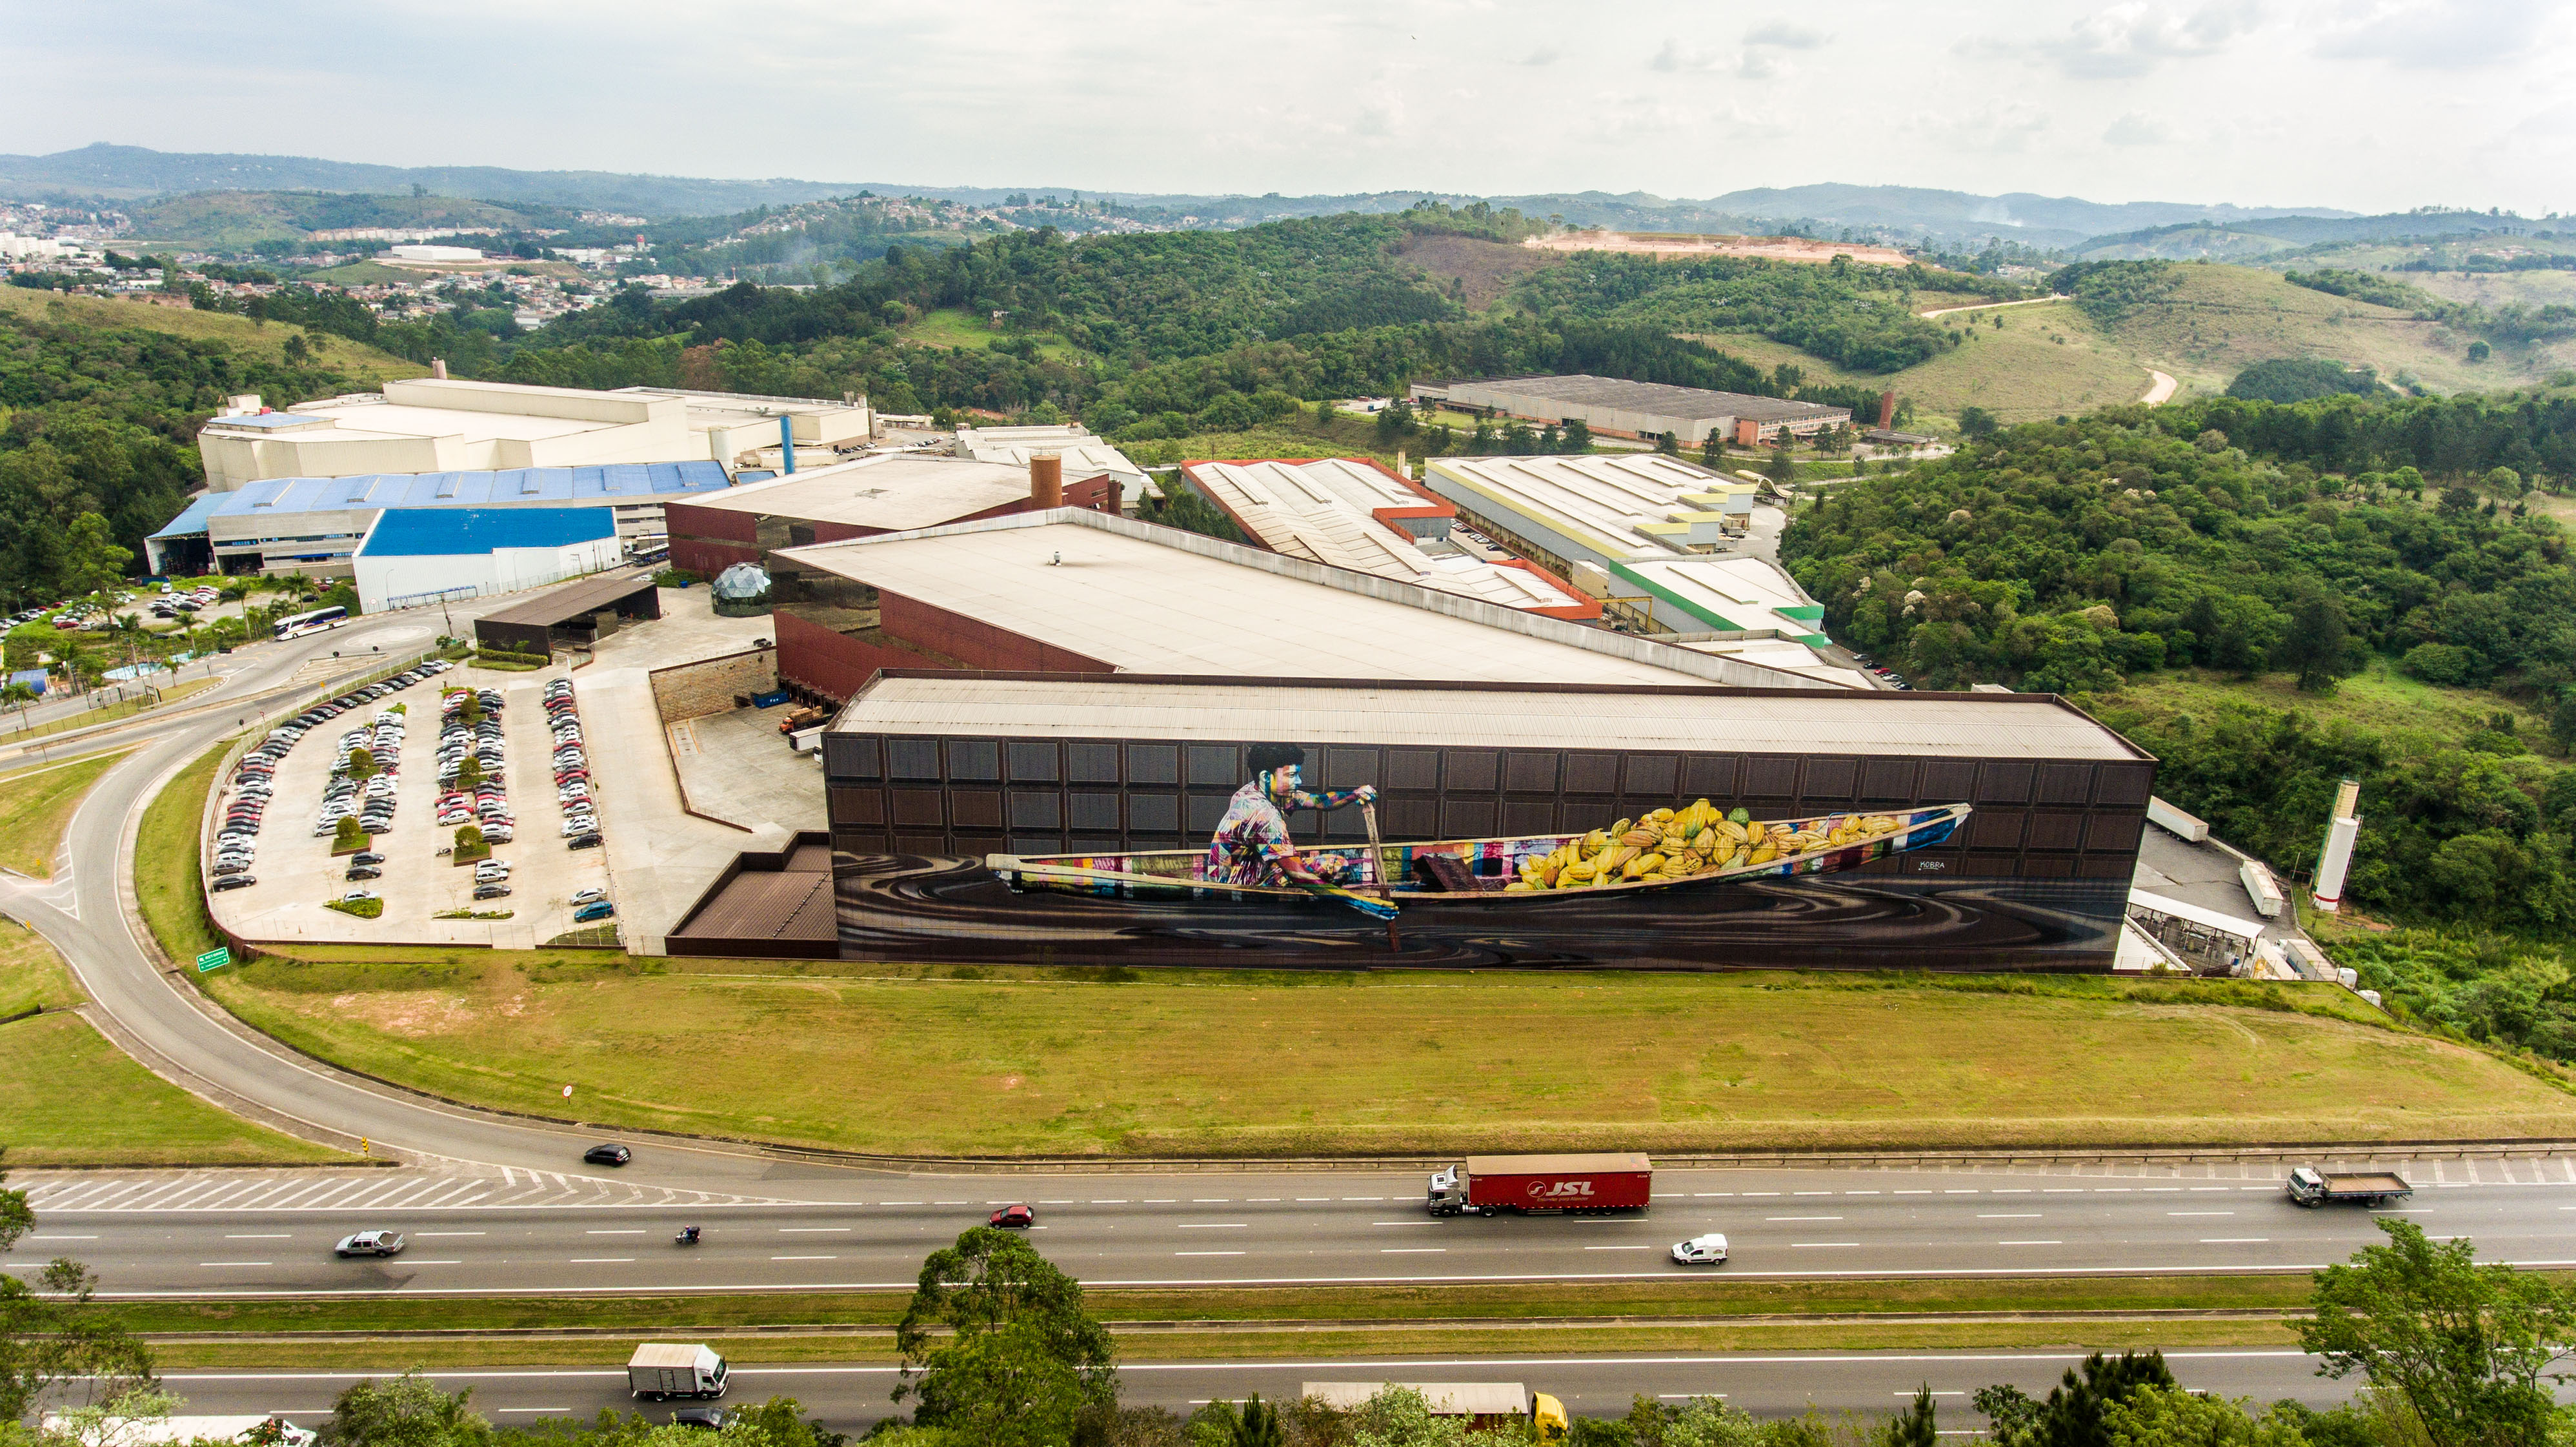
{"points": [[662, 1369]]}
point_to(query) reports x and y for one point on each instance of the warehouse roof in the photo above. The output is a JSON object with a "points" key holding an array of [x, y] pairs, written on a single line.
{"points": [[894, 491], [1325, 509], [1655, 398], [435, 532], [1619, 506], [1150, 599], [639, 482], [1744, 593], [572, 600], [1429, 714]]}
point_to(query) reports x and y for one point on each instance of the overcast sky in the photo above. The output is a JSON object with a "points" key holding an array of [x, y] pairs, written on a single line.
{"points": [[2365, 104]]}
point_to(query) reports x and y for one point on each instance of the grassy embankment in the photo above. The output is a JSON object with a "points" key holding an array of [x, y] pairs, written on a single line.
{"points": [[110, 713], [2410, 716], [1702, 1314], [364, 365], [958, 328], [1048, 1062], [68, 1097], [36, 805]]}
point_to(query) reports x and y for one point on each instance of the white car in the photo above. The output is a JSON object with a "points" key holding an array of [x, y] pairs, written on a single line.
{"points": [[1708, 1250]]}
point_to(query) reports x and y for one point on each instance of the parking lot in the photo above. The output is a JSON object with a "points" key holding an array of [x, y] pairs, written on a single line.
{"points": [[298, 874]]}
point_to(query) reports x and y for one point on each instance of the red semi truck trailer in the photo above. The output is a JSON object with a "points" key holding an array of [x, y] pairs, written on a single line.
{"points": [[1490, 1185]]}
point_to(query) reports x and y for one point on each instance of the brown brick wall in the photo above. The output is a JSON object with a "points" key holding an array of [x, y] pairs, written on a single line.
{"points": [[694, 690]]}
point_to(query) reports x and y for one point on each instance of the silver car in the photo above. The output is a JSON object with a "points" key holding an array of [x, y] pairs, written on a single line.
{"points": [[370, 1243]]}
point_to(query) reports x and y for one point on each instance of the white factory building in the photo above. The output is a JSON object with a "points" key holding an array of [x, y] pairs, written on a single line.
{"points": [[1562, 510], [438, 424], [1085, 455]]}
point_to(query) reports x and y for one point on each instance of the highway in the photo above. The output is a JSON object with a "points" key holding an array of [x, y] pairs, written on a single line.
{"points": [[1763, 1383], [212, 1234]]}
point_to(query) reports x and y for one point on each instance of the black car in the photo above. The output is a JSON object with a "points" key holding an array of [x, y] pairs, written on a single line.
{"points": [[481, 891], [364, 871], [607, 1156], [232, 881], [584, 841], [367, 857]]}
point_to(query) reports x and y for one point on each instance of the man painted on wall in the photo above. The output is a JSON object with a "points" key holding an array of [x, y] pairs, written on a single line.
{"points": [[1252, 846]]}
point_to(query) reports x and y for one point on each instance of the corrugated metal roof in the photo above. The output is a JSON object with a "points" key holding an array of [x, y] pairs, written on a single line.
{"points": [[1699, 719], [430, 532], [1598, 501], [787, 904], [623, 482], [572, 600], [893, 491]]}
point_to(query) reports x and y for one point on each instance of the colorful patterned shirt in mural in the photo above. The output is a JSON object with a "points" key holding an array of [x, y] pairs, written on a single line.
{"points": [[1252, 842]]}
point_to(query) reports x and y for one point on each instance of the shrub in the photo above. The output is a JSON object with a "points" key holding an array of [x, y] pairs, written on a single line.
{"points": [[2444, 663]]}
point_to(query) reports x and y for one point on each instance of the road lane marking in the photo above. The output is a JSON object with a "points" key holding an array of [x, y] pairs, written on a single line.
{"points": [[612, 1233], [1411, 1250], [1802, 1218], [1618, 1248], [2235, 1240], [449, 1262], [1804, 1245], [83, 1238], [2007, 1215], [1213, 1225], [1207, 1253], [1120, 1201], [804, 1258], [2030, 1243], [2200, 1213], [260, 1236], [235, 1263], [600, 1260], [1364, 1198], [1404, 1223], [810, 1230], [425, 1235]]}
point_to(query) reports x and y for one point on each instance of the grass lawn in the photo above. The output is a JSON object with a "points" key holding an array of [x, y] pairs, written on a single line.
{"points": [[363, 364], [1024, 1061], [92, 718], [32, 976], [168, 884], [36, 805], [956, 327], [2223, 319], [68, 1097], [2415, 718]]}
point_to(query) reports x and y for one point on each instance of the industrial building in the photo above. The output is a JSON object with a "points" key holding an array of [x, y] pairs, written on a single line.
{"points": [[1732, 606], [1083, 456], [416, 556], [874, 495], [929, 771], [439, 424], [1621, 408], [577, 614], [1087, 592], [313, 525], [1562, 511], [1356, 513]]}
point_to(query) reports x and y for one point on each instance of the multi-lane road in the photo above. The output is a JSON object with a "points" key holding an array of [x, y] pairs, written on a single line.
{"points": [[214, 1234]]}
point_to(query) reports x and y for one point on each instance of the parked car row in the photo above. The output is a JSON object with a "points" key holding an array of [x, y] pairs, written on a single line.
{"points": [[370, 800], [473, 779], [171, 604], [1890, 676], [572, 782], [254, 780]]}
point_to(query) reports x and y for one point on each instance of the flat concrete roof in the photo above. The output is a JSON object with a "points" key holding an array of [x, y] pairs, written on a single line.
{"points": [[894, 491], [1150, 599], [1690, 719], [572, 600]]}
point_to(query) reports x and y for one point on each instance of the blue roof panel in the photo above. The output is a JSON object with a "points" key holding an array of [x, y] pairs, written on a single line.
{"points": [[623, 482], [415, 532]]}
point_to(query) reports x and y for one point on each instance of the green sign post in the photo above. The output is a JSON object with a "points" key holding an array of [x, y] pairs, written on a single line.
{"points": [[215, 959]]}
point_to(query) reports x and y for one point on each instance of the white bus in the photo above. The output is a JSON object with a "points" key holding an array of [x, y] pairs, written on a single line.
{"points": [[314, 622]]}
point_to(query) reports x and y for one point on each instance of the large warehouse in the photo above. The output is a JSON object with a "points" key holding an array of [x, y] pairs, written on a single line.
{"points": [[1640, 409], [1562, 512], [886, 493], [1084, 592], [313, 525], [928, 773], [416, 556], [1355, 513], [439, 424]]}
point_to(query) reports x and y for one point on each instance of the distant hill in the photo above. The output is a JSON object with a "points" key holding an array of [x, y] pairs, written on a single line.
{"points": [[2235, 240], [128, 174]]}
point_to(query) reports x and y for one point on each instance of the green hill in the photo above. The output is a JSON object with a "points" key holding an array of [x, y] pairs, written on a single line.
{"points": [[363, 365], [231, 220]]}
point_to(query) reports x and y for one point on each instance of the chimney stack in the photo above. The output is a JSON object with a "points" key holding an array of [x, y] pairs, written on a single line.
{"points": [[1887, 409], [1046, 479], [438, 368]]}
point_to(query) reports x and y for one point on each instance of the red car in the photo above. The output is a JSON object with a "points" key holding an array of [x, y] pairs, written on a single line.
{"points": [[1013, 1216]]}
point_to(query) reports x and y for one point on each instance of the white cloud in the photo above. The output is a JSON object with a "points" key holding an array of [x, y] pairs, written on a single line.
{"points": [[1786, 36], [2132, 39], [2137, 128], [1671, 58], [1544, 55], [2436, 34]]}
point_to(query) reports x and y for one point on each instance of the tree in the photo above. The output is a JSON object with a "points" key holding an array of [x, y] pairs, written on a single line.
{"points": [[348, 833], [2316, 643], [2172, 1417], [2562, 721], [23, 694], [2467, 1347], [1918, 1425], [1665, 444], [2073, 1415], [1401, 1417], [91, 558], [408, 1411], [1712, 449], [1255, 1424], [1977, 422], [1395, 422], [1023, 1358], [1578, 435], [362, 764], [1780, 467]]}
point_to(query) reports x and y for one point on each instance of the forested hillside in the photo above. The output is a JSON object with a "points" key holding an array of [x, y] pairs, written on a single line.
{"points": [[2244, 536], [1858, 317]]}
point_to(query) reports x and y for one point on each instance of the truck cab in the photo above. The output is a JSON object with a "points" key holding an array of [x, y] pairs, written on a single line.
{"points": [[2306, 1186], [1448, 1193]]}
